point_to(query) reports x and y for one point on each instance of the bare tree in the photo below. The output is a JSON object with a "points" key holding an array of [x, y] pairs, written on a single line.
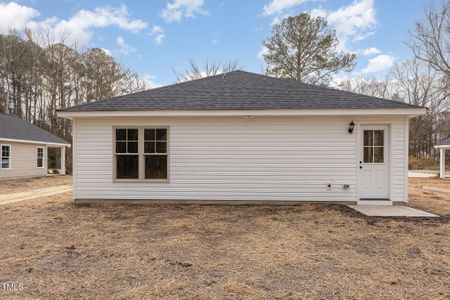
{"points": [[208, 69], [430, 41], [418, 83], [41, 74], [377, 87]]}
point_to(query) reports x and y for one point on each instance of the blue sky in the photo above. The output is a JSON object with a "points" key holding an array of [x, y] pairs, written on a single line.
{"points": [[156, 37]]}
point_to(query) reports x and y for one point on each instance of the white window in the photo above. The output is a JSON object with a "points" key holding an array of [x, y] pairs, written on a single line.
{"points": [[141, 154], [5, 157], [373, 146], [40, 157]]}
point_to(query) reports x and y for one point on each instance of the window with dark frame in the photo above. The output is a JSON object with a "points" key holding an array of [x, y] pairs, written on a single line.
{"points": [[155, 153], [127, 153], [40, 157], [6, 157], [137, 148]]}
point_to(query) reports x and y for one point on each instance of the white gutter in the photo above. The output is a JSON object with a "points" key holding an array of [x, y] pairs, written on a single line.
{"points": [[33, 142], [442, 146], [266, 112]]}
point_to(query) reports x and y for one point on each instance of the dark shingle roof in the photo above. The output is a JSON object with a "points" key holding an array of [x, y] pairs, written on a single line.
{"points": [[445, 141], [239, 90], [13, 127]]}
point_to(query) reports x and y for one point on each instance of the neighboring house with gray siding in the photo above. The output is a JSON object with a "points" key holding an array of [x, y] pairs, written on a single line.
{"points": [[24, 148], [241, 138]]}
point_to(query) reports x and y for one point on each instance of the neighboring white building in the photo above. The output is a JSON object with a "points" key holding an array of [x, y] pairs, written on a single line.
{"points": [[443, 145], [23, 148], [241, 138]]}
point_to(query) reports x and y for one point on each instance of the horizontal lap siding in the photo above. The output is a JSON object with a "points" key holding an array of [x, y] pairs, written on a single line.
{"points": [[24, 161], [284, 159], [398, 161]]}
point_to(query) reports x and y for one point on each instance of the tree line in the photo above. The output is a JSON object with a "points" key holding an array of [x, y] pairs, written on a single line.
{"points": [[39, 76]]}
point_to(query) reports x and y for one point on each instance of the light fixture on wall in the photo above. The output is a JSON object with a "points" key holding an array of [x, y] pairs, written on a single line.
{"points": [[351, 127]]}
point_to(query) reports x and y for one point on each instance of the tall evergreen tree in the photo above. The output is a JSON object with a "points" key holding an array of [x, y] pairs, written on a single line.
{"points": [[305, 49]]}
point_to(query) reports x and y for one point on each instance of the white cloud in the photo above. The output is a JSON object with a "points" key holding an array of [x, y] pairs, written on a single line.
{"points": [[318, 12], [15, 16], [108, 52], [124, 49], [158, 34], [371, 51], [379, 63], [355, 20], [179, 9], [278, 6], [77, 28]]}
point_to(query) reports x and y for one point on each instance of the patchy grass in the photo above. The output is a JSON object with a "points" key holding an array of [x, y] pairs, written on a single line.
{"points": [[22, 185], [59, 250]]}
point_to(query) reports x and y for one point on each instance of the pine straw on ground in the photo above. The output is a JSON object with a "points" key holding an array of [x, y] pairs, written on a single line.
{"points": [[60, 250]]}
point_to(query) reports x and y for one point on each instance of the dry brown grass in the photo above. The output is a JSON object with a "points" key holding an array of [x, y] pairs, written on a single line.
{"points": [[431, 163], [59, 250], [20, 185], [432, 201]]}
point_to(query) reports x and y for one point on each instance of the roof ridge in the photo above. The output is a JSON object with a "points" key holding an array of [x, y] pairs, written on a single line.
{"points": [[157, 88], [242, 90], [327, 88]]}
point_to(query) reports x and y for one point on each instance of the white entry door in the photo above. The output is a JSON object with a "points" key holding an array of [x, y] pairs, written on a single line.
{"points": [[374, 162]]}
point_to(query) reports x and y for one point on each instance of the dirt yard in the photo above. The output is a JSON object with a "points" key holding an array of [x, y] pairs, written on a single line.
{"points": [[58, 250], [16, 186]]}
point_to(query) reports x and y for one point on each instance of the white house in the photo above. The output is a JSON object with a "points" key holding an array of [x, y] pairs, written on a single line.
{"points": [[24, 148], [241, 138]]}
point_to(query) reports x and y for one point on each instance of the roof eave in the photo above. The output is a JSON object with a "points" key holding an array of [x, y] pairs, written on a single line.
{"points": [[34, 142], [411, 112]]}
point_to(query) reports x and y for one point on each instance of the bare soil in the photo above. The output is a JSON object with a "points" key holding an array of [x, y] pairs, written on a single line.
{"points": [[59, 250], [22, 185]]}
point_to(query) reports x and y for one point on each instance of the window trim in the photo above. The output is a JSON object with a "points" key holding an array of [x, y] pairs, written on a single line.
{"points": [[140, 154], [373, 147], [37, 157], [10, 156]]}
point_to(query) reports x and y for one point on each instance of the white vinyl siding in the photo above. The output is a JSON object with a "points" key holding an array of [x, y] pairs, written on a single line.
{"points": [[23, 161], [236, 158]]}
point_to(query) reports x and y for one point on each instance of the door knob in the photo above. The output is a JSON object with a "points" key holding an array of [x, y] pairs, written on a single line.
{"points": [[360, 167]]}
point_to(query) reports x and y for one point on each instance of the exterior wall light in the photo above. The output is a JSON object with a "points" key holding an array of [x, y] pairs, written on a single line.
{"points": [[351, 127]]}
